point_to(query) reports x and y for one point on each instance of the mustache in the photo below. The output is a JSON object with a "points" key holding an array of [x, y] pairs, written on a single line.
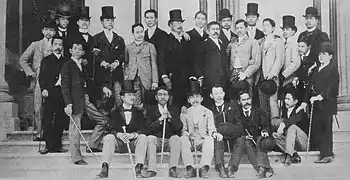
{"points": [[216, 33]]}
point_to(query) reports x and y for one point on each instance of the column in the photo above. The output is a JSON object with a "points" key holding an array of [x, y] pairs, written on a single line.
{"points": [[203, 6], [318, 4], [154, 4], [138, 13], [218, 8]]}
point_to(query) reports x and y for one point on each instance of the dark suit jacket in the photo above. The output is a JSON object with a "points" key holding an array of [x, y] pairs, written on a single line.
{"points": [[300, 119], [230, 109], [172, 127], [109, 53], [259, 34], [66, 42], [255, 123], [49, 74], [224, 39], [160, 41], [302, 72], [137, 123], [194, 47]]}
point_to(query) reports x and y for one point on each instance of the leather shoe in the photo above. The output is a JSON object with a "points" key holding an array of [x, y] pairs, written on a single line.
{"points": [[45, 151], [231, 171], [148, 174], [173, 173], [203, 172], [325, 160], [93, 150], [191, 172], [104, 172], [269, 172], [288, 160], [138, 169], [261, 173], [296, 158], [221, 170], [61, 150], [283, 158], [80, 162]]}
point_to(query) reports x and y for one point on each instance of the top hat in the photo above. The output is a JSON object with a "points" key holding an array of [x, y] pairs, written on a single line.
{"points": [[107, 12], [128, 87], [252, 9], [311, 11], [175, 15], [50, 23], [326, 47], [84, 13], [224, 13], [63, 10], [268, 87], [194, 88], [288, 21], [268, 143]]}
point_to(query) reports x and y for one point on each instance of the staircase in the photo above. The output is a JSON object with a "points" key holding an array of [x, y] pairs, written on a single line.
{"points": [[19, 159]]}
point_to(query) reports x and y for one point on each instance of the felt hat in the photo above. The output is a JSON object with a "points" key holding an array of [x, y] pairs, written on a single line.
{"points": [[268, 87], [224, 13]]}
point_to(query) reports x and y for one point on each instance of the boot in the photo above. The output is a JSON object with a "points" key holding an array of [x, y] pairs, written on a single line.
{"points": [[203, 172], [296, 158], [191, 172], [138, 169], [104, 172], [221, 170], [261, 173], [231, 171], [288, 161], [173, 173]]}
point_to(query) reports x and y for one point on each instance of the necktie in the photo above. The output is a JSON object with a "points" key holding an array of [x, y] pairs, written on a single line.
{"points": [[63, 34], [246, 113]]}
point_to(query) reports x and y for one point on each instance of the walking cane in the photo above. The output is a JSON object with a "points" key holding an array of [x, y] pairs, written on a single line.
{"points": [[163, 139], [81, 135], [250, 135], [309, 134], [336, 120], [41, 127], [228, 142], [130, 155]]}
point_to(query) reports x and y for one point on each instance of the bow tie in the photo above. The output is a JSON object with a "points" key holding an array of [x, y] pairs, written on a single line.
{"points": [[126, 110]]}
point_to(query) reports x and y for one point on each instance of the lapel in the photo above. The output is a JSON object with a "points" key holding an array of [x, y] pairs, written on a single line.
{"points": [[267, 46], [214, 44], [242, 42], [114, 41], [41, 47], [223, 37], [122, 115]]}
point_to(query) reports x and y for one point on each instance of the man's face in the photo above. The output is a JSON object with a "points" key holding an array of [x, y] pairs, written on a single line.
{"points": [[241, 29], [48, 32], [303, 48], [245, 101], [176, 26], [226, 23], [63, 22], [288, 32], [57, 46], [310, 22], [83, 23], [217, 94], [214, 31], [77, 51], [267, 28], [252, 19], [162, 97], [324, 57], [290, 101], [128, 98], [108, 23], [200, 20], [150, 19], [195, 100], [138, 33]]}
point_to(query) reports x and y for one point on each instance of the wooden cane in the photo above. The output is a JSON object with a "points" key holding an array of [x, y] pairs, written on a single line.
{"points": [[309, 134], [228, 142], [130, 155], [163, 139]]}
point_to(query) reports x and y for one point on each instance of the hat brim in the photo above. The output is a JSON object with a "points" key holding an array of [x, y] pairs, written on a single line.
{"points": [[84, 17], [312, 15], [172, 20], [256, 14], [220, 18], [107, 17], [61, 15]]}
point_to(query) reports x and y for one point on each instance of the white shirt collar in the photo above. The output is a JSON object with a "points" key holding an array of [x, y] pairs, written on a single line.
{"points": [[292, 39], [107, 31], [240, 39], [244, 110], [307, 53], [57, 55], [199, 30], [125, 106], [152, 29], [76, 60], [177, 36], [162, 109], [84, 30], [216, 41], [289, 111], [61, 29], [310, 30], [217, 105]]}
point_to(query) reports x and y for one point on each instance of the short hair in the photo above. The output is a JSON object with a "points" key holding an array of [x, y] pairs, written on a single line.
{"points": [[136, 25], [293, 93], [201, 12], [162, 87], [77, 42], [241, 21], [217, 86], [212, 23], [305, 40], [272, 22], [56, 37], [243, 92], [151, 11]]}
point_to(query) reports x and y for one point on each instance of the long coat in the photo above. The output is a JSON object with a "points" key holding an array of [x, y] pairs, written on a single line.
{"points": [[291, 61], [194, 47]]}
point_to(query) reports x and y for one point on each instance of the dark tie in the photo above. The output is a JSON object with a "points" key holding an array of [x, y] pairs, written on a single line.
{"points": [[246, 113], [63, 34], [219, 108]]}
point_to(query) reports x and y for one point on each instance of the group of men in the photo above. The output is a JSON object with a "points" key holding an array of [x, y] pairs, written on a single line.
{"points": [[244, 90]]}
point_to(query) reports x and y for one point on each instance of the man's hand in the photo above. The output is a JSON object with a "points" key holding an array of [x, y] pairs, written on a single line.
{"points": [[280, 129], [217, 136], [123, 137], [186, 36], [105, 64], [200, 80], [167, 82], [242, 76], [309, 71], [114, 65], [264, 133], [250, 137], [107, 92], [295, 81], [163, 117], [154, 86], [32, 75], [270, 76], [301, 107], [45, 93], [313, 99], [69, 110], [96, 51]]}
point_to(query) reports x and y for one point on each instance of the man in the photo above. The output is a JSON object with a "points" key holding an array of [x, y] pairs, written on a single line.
{"points": [[198, 133], [245, 56], [315, 35], [252, 17], [50, 84], [134, 122], [272, 62], [292, 57], [290, 137], [141, 65], [322, 93], [212, 65], [256, 126], [176, 77], [226, 35], [224, 113], [74, 86], [62, 21], [157, 115], [30, 62], [111, 56]]}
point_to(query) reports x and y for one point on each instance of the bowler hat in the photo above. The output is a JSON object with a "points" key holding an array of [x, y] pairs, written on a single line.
{"points": [[63, 10], [175, 15], [194, 88], [50, 24], [229, 130], [268, 143], [107, 12], [128, 87], [224, 13], [238, 86], [268, 87], [311, 11], [84, 13], [252, 9], [288, 21], [326, 47]]}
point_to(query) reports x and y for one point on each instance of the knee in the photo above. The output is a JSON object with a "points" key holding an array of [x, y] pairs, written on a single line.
{"points": [[152, 139], [109, 138], [142, 137], [292, 129], [175, 139], [185, 141]]}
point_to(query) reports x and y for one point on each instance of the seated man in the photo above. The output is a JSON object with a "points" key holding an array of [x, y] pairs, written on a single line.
{"points": [[256, 125], [134, 121], [289, 136], [156, 116], [198, 133]]}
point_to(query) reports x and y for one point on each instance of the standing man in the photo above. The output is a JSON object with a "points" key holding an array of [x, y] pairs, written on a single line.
{"points": [[111, 48], [50, 84], [226, 35], [63, 15], [252, 17], [141, 65], [157, 115], [30, 62]]}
